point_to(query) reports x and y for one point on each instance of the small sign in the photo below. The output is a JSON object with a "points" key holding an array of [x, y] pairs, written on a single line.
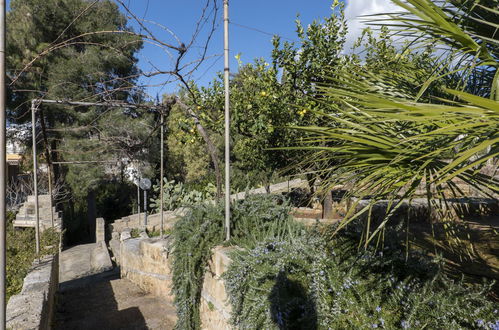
{"points": [[145, 184]]}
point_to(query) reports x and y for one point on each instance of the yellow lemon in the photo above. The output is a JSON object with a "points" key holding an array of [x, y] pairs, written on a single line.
{"points": [[263, 93]]}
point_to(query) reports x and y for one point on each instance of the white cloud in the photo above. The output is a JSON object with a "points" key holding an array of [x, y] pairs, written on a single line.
{"points": [[356, 8]]}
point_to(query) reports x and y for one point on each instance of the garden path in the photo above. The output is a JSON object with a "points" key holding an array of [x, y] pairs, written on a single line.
{"points": [[105, 301]]}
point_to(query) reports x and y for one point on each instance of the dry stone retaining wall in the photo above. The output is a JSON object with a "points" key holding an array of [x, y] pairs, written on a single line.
{"points": [[146, 262], [214, 306], [33, 308]]}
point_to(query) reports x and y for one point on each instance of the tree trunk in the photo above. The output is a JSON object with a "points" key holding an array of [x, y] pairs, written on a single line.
{"points": [[328, 205], [210, 147], [91, 215]]}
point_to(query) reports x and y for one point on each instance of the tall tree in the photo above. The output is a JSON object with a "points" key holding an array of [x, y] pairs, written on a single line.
{"points": [[71, 50]]}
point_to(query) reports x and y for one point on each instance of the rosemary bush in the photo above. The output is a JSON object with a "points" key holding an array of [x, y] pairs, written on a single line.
{"points": [[289, 277], [308, 283], [255, 219]]}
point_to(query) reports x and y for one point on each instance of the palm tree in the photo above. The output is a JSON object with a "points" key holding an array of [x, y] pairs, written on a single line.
{"points": [[386, 142]]}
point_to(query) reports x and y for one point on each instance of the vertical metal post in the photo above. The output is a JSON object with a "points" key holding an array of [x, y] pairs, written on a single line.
{"points": [[145, 208], [35, 176], [3, 165], [161, 174], [227, 120], [51, 196], [138, 200]]}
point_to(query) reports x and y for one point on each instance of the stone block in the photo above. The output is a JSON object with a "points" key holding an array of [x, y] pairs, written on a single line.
{"points": [[155, 248], [214, 290], [145, 262], [100, 260], [100, 230], [114, 245], [220, 259], [212, 318], [306, 212], [215, 309], [125, 235]]}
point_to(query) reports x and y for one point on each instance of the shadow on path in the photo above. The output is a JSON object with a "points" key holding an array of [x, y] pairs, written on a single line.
{"points": [[106, 302]]}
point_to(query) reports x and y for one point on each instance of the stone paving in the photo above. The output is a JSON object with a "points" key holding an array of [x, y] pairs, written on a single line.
{"points": [[93, 296], [107, 302]]}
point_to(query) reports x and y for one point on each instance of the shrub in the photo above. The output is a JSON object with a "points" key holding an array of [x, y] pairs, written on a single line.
{"points": [[308, 283], [254, 219], [289, 277], [20, 253], [176, 195]]}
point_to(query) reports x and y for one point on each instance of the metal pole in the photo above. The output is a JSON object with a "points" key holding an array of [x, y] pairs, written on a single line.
{"points": [[227, 120], [3, 161], [145, 208], [51, 196], [104, 104], [35, 176], [161, 175], [138, 200]]}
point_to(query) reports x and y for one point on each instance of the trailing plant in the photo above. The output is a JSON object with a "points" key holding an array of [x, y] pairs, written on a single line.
{"points": [[255, 219], [309, 283]]}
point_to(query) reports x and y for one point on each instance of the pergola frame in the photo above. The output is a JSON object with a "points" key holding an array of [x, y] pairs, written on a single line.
{"points": [[34, 107]]}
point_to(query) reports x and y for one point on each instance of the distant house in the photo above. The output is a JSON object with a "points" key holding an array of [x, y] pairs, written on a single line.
{"points": [[16, 135]]}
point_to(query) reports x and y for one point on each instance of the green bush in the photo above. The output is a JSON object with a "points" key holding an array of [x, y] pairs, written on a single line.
{"points": [[21, 253], [255, 219], [308, 283], [289, 277]]}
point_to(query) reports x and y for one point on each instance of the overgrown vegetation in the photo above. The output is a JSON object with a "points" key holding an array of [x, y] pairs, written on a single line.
{"points": [[255, 219], [288, 277], [408, 120], [21, 253], [177, 195], [385, 122], [312, 283]]}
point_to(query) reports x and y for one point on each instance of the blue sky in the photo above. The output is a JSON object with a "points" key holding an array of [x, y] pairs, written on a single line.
{"points": [[253, 24], [269, 17]]}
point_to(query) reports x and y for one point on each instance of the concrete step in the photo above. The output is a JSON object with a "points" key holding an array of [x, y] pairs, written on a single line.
{"points": [[45, 199], [84, 260]]}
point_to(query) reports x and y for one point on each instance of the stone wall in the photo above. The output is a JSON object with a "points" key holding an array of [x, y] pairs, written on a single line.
{"points": [[153, 221], [147, 263], [214, 307], [33, 308]]}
